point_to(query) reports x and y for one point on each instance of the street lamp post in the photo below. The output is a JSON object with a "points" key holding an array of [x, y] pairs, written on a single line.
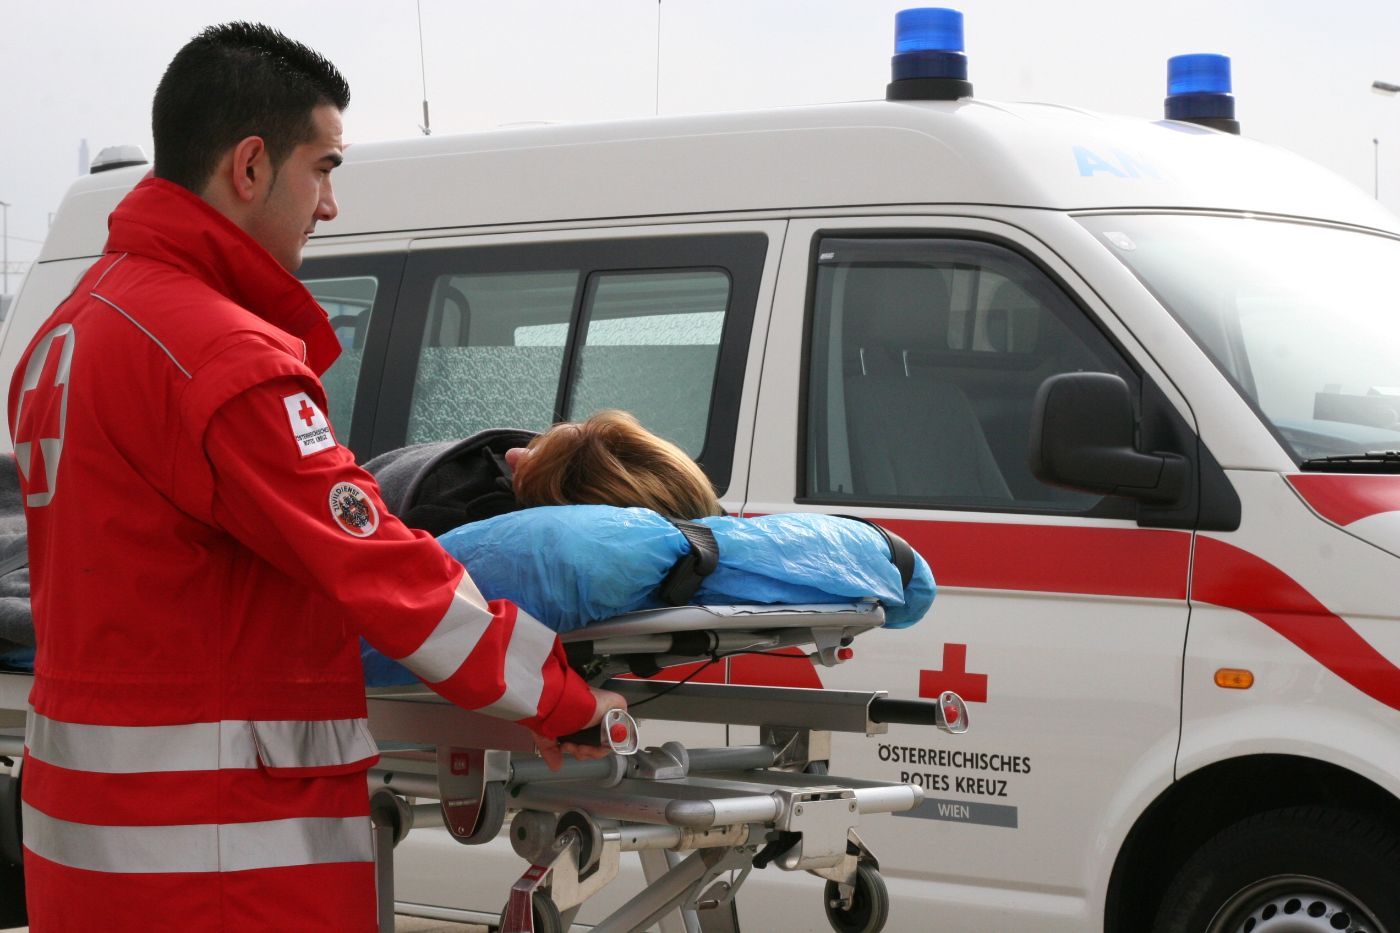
{"points": [[1389, 90], [5, 250]]}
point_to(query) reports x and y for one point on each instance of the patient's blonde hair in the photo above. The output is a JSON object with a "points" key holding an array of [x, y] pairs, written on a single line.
{"points": [[610, 459]]}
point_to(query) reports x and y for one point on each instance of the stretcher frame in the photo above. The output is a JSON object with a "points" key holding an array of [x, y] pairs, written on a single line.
{"points": [[727, 809], [730, 809]]}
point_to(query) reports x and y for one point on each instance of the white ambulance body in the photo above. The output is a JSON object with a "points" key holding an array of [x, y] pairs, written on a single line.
{"points": [[1184, 695]]}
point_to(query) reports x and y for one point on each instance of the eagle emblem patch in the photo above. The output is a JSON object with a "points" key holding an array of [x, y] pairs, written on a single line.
{"points": [[353, 510]]}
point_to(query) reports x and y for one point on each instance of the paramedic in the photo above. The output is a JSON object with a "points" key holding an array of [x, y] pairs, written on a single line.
{"points": [[205, 554]]}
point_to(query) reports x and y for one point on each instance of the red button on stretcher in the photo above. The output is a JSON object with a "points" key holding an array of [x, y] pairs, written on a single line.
{"points": [[618, 733]]}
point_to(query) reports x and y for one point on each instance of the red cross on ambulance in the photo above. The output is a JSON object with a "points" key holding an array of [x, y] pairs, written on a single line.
{"points": [[41, 413], [954, 676]]}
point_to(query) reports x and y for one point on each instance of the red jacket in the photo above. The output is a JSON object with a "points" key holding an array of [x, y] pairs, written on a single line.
{"points": [[203, 557]]}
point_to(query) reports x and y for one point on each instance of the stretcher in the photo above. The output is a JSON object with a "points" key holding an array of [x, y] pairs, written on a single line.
{"points": [[701, 819], [726, 810]]}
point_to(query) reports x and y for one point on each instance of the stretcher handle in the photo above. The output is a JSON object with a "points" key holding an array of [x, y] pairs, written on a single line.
{"points": [[948, 712], [909, 712], [617, 731]]}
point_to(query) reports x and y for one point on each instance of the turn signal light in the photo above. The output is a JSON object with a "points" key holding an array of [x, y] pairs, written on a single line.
{"points": [[1234, 678]]}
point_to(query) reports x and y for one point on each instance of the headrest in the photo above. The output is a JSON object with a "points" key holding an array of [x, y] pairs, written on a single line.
{"points": [[897, 307]]}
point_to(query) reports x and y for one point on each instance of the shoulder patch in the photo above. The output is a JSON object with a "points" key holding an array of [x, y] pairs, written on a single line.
{"points": [[353, 510], [309, 425]]}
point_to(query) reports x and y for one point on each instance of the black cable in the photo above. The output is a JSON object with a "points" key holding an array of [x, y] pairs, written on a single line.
{"points": [[772, 654], [713, 659], [684, 680]]}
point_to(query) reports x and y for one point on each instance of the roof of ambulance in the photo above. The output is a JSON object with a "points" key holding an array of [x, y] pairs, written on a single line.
{"points": [[868, 154]]}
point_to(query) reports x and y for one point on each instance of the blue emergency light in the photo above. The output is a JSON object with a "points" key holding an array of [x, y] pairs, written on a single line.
{"points": [[1198, 91], [929, 63]]}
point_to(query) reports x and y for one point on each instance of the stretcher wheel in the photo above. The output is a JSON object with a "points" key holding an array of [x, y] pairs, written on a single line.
{"points": [[387, 808], [491, 817], [870, 903], [546, 915]]}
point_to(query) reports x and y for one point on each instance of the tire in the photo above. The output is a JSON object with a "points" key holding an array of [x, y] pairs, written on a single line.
{"points": [[12, 906], [870, 904], [546, 916], [491, 817], [11, 835], [1298, 870]]}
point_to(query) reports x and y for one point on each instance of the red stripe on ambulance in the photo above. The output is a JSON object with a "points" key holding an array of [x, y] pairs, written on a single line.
{"points": [[1236, 579], [1051, 558], [1344, 498]]}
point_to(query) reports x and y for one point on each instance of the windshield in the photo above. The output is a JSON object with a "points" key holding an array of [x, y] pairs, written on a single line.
{"points": [[1303, 319]]}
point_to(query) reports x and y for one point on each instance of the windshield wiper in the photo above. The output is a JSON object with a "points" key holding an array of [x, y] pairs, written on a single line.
{"points": [[1372, 461]]}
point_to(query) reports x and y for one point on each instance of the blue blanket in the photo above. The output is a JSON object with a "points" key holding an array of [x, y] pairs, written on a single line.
{"points": [[571, 565]]}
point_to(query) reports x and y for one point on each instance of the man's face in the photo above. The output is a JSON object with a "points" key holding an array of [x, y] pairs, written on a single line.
{"points": [[300, 193]]}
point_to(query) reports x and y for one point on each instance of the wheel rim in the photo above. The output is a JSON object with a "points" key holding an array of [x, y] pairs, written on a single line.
{"points": [[1294, 904]]}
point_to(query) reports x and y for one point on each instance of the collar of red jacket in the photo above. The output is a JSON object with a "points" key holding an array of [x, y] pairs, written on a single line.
{"points": [[164, 221]]}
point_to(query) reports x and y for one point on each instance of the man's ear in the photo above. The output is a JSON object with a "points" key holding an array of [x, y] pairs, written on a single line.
{"points": [[251, 168]]}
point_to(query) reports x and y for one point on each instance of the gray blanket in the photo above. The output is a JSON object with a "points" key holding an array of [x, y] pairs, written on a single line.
{"points": [[16, 621]]}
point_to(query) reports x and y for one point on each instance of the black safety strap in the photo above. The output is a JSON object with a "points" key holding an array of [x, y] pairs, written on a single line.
{"points": [[901, 554], [687, 573]]}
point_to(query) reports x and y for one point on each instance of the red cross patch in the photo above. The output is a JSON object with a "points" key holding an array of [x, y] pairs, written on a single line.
{"points": [[41, 414], [309, 426]]}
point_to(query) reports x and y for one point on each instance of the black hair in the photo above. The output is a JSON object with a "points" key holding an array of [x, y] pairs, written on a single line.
{"points": [[234, 81]]}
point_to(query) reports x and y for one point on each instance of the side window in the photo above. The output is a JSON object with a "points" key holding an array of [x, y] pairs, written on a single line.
{"points": [[347, 302], [650, 345], [491, 352], [494, 347], [527, 334], [924, 361]]}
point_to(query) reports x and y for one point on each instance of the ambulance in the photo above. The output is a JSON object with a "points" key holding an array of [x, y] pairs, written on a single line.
{"points": [[1132, 388]]}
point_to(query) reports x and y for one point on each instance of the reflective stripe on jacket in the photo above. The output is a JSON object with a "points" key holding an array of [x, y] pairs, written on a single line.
{"points": [[204, 557]]}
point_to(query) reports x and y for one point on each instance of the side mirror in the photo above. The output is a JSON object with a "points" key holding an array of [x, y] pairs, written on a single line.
{"points": [[1082, 436]]}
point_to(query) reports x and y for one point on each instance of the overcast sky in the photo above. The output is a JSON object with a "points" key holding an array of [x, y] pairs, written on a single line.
{"points": [[73, 70]]}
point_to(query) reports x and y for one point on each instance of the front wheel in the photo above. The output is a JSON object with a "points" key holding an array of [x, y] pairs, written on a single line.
{"points": [[869, 907], [1299, 870], [543, 912]]}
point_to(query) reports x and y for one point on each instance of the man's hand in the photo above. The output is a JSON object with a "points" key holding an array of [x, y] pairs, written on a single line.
{"points": [[553, 752]]}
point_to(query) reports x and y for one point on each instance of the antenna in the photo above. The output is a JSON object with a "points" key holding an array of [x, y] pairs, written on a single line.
{"points": [[425, 126], [657, 111]]}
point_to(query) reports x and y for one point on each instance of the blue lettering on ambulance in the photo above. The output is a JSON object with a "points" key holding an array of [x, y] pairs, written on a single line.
{"points": [[1089, 163], [1119, 164], [1135, 167]]}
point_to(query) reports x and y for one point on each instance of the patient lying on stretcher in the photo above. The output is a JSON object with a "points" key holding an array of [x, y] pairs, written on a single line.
{"points": [[590, 531], [598, 537]]}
